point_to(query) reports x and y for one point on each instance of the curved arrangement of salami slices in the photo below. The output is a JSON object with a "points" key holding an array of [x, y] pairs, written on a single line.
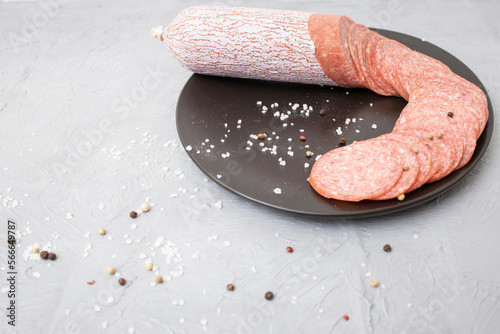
{"points": [[435, 134]]}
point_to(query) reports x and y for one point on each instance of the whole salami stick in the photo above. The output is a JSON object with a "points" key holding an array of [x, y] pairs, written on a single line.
{"points": [[324, 49]]}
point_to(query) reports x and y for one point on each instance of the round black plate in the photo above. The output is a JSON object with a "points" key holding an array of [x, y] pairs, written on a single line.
{"points": [[216, 117]]}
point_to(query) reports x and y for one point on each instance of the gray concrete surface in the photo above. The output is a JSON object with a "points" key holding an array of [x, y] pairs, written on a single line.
{"points": [[87, 134]]}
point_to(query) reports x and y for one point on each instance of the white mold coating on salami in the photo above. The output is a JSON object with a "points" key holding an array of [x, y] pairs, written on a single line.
{"points": [[246, 43]]}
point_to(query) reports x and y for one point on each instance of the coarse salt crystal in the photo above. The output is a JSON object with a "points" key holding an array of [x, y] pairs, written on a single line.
{"points": [[374, 126], [339, 131], [277, 191]]}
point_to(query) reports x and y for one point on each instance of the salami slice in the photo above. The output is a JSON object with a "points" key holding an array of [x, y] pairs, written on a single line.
{"points": [[364, 39], [411, 169], [413, 68], [381, 50], [449, 144], [334, 58], [390, 63], [381, 87], [360, 171], [355, 31], [439, 108], [457, 92], [423, 154]]}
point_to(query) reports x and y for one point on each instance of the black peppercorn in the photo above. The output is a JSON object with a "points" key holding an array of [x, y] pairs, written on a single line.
{"points": [[387, 248], [122, 281], [342, 141], [230, 287], [52, 256], [269, 295], [44, 255], [133, 214]]}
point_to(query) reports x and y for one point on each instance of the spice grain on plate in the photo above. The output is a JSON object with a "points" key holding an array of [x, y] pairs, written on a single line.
{"points": [[133, 214]]}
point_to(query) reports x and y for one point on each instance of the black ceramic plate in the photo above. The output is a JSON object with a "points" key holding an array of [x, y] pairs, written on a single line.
{"points": [[216, 118]]}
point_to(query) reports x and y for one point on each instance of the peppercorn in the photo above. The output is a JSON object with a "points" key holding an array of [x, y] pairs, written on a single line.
{"points": [[416, 150], [342, 141], [122, 281], [309, 154], [439, 135], [387, 248], [230, 287], [430, 137], [11, 240], [44, 255], [302, 138], [158, 279], [149, 266], [52, 256], [269, 295], [450, 114], [374, 283], [133, 214], [145, 207], [101, 231], [111, 270], [35, 250], [406, 167], [289, 249], [261, 136], [346, 317], [401, 197], [322, 112]]}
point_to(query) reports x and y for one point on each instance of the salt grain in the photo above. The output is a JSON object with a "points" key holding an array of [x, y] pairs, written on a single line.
{"points": [[277, 191]]}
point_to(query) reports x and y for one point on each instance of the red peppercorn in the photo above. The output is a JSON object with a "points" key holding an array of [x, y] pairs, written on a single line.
{"points": [[289, 249], [346, 317], [303, 138]]}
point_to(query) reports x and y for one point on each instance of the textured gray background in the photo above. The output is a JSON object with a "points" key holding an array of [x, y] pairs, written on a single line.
{"points": [[87, 133]]}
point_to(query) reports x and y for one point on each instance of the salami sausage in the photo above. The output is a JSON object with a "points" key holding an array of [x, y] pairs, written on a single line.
{"points": [[334, 50]]}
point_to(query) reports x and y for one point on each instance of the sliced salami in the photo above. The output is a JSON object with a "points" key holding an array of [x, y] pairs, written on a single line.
{"points": [[390, 64], [410, 166], [423, 154], [364, 39], [457, 92], [439, 108], [449, 144], [334, 50], [334, 58], [355, 31], [413, 68], [360, 171], [381, 87], [381, 50]]}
